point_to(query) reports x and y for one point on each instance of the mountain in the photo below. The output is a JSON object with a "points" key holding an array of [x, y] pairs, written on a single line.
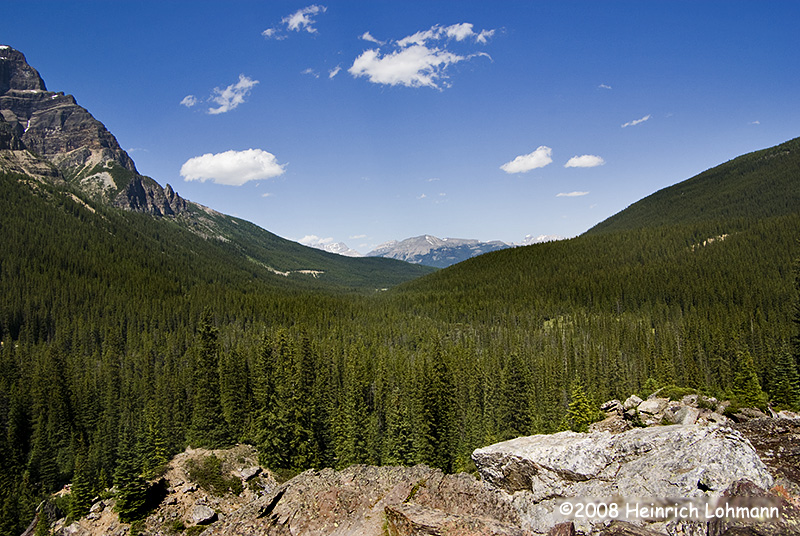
{"points": [[437, 252], [47, 136], [721, 243], [760, 184]]}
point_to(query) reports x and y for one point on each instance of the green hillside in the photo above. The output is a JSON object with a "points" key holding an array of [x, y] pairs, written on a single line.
{"points": [[756, 185]]}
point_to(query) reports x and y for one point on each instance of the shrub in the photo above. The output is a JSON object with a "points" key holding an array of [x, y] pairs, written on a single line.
{"points": [[208, 474]]}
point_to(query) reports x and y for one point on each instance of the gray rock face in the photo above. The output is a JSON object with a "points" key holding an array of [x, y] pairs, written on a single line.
{"points": [[67, 138], [15, 73], [656, 462]]}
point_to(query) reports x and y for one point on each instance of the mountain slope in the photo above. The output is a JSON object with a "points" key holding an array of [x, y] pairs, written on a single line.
{"points": [[721, 243], [49, 137], [756, 185]]}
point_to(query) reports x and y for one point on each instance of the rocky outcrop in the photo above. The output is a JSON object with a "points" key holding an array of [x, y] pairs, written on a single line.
{"points": [[49, 136], [143, 194], [655, 410], [368, 500], [655, 462]]}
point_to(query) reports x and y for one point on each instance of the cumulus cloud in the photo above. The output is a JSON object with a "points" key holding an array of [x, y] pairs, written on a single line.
{"points": [[302, 19], [189, 101], [414, 66], [232, 168], [537, 159], [418, 60], [585, 161], [572, 194], [636, 121], [232, 96]]}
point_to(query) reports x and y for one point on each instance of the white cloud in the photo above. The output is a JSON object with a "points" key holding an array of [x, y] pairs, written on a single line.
{"points": [[366, 36], [636, 121], [189, 101], [755, 122], [423, 196], [604, 86], [358, 237], [273, 33], [314, 240], [232, 96], [299, 20], [537, 159], [416, 62], [267, 194], [585, 161], [311, 72], [232, 168], [572, 194], [302, 19], [333, 72], [414, 66]]}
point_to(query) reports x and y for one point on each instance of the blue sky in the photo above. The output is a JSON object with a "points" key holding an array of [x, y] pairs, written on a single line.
{"points": [[363, 122]]}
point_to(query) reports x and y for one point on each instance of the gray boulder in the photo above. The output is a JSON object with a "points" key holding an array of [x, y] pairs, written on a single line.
{"points": [[657, 462], [202, 515]]}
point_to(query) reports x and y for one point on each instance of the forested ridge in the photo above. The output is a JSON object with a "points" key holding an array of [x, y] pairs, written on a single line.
{"points": [[117, 351]]}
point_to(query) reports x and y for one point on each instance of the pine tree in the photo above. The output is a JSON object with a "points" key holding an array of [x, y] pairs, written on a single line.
{"points": [[128, 479], [580, 412], [208, 428], [786, 388], [82, 488], [746, 386]]}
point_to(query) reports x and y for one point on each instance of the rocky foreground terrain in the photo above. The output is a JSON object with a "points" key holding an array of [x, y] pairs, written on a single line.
{"points": [[705, 459]]}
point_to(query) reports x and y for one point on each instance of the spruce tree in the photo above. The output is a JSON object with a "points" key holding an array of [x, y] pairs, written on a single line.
{"points": [[580, 412], [208, 428], [132, 488], [786, 388], [746, 386]]}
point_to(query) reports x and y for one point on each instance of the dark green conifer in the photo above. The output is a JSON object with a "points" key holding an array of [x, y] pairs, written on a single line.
{"points": [[208, 428]]}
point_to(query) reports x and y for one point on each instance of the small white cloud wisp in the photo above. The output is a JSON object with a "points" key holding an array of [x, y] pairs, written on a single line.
{"points": [[585, 161], [232, 96], [636, 121], [189, 101], [232, 168], [572, 194], [539, 158]]}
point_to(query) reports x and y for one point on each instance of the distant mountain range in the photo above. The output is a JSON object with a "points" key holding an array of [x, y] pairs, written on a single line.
{"points": [[432, 251]]}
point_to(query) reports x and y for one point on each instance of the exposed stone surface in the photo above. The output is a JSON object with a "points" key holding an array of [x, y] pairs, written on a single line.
{"points": [[202, 515], [413, 520], [623, 528], [355, 501], [49, 136], [663, 461], [777, 441]]}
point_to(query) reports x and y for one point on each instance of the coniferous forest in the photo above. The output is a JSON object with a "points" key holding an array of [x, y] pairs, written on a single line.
{"points": [[125, 339]]}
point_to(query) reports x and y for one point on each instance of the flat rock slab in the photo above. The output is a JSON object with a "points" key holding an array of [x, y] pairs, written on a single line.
{"points": [[643, 463]]}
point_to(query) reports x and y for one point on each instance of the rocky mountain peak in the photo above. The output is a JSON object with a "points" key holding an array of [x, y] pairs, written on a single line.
{"points": [[16, 74], [48, 135]]}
